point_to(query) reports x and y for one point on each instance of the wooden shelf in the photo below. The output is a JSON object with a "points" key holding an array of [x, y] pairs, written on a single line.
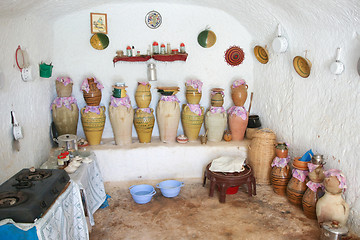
{"points": [[157, 57]]}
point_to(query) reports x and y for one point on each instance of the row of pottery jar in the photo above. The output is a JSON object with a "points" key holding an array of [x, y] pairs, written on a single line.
{"points": [[65, 112], [92, 115]]}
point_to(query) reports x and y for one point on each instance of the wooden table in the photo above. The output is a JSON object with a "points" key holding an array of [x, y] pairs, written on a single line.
{"points": [[226, 180]]}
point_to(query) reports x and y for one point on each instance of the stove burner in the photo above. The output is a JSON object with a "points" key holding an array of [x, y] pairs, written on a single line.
{"points": [[34, 176], [23, 184], [11, 199]]}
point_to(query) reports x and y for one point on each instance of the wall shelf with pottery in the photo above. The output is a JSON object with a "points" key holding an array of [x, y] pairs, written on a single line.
{"points": [[157, 57]]}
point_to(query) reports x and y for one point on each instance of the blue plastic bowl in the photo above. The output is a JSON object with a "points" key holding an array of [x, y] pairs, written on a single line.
{"points": [[170, 188], [142, 193]]}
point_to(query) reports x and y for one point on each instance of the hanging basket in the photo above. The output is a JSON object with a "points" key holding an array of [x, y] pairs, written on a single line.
{"points": [[261, 154]]}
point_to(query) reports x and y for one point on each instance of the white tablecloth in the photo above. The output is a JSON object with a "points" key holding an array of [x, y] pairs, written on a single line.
{"points": [[64, 220], [89, 180]]}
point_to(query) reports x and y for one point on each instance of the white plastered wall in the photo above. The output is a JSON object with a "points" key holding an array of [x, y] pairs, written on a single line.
{"points": [[29, 100]]}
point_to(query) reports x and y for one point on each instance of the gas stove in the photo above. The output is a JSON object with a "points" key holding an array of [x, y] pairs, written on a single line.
{"points": [[28, 194]]}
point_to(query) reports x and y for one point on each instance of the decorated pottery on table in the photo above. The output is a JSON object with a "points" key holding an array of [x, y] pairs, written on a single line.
{"points": [[239, 92], [315, 187], [168, 113], [63, 86], [280, 172], [182, 139], [192, 115], [227, 136], [121, 116], [65, 113], [143, 95], [297, 184], [216, 117], [92, 91], [332, 206], [93, 122]]}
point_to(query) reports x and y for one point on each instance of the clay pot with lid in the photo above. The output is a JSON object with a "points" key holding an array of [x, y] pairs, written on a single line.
{"points": [[239, 94]]}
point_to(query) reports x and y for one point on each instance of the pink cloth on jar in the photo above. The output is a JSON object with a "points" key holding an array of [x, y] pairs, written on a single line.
{"points": [[171, 98], [197, 84], [314, 186], [116, 102], [147, 110], [195, 108], [340, 176], [217, 109], [299, 174], [63, 101], [280, 162], [238, 83], [238, 111], [85, 85], [64, 80], [94, 109]]}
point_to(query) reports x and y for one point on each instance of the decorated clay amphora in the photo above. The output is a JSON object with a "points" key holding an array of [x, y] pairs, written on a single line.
{"points": [[239, 92], [121, 119], [296, 189], [93, 97], [217, 97], [63, 86], [280, 177], [93, 124], [144, 123], [193, 91], [238, 123], [192, 122], [168, 118], [65, 119], [143, 95], [215, 123]]}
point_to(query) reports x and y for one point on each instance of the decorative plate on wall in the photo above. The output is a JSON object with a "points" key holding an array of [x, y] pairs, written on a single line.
{"points": [[153, 19], [302, 66], [234, 56], [99, 41], [261, 54], [207, 38]]}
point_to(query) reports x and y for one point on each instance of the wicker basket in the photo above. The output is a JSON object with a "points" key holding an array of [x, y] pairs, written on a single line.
{"points": [[250, 132], [261, 154]]}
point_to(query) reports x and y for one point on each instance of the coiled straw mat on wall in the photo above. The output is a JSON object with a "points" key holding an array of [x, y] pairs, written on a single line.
{"points": [[261, 154]]}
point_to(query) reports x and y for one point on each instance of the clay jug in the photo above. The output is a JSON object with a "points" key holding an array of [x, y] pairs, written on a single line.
{"points": [[309, 201], [191, 122], [168, 118], [65, 119], [281, 150], [121, 119], [215, 124], [143, 95], [217, 98], [280, 177], [144, 124], [93, 97], [62, 90], [237, 126], [192, 95], [93, 125], [239, 94], [295, 191]]}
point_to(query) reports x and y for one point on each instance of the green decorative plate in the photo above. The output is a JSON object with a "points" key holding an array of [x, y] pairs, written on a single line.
{"points": [[99, 41], [207, 38]]}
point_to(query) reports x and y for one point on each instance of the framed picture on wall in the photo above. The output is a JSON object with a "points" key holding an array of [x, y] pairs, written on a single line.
{"points": [[98, 23]]}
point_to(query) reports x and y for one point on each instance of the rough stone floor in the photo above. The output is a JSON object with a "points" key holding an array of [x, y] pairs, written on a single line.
{"points": [[195, 215]]}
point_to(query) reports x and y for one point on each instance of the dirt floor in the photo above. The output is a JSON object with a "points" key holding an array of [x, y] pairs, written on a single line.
{"points": [[195, 215]]}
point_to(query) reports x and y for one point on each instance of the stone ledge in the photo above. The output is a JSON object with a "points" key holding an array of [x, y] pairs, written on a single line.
{"points": [[157, 160]]}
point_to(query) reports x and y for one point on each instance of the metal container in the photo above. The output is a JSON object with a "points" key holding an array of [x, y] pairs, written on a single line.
{"points": [[333, 231], [317, 159], [68, 142]]}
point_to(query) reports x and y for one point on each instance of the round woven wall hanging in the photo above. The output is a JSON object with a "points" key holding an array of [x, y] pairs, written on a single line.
{"points": [[234, 56]]}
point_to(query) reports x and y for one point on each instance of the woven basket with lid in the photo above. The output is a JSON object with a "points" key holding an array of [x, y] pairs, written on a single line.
{"points": [[261, 154]]}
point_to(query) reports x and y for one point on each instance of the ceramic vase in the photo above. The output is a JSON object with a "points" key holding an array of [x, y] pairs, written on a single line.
{"points": [[192, 95], [65, 119], [239, 94], [237, 126], [295, 191], [168, 117], [93, 97], [191, 122], [280, 177], [93, 125], [215, 124], [144, 124], [143, 95], [309, 203], [62, 90], [121, 119], [217, 100]]}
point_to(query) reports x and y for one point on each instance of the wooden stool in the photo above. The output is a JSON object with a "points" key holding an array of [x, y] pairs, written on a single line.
{"points": [[226, 180]]}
